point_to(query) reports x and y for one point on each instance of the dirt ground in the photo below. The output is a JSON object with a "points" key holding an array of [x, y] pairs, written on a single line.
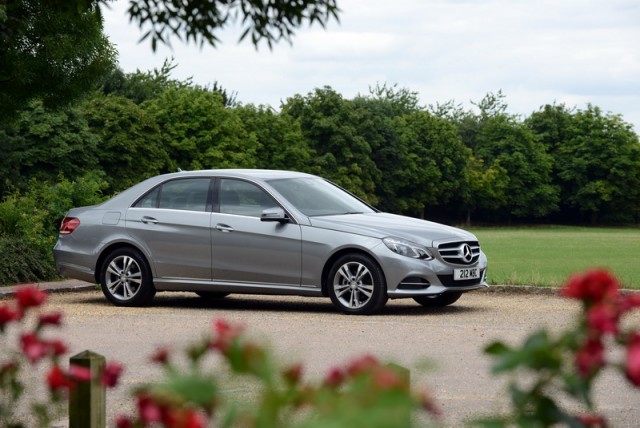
{"points": [[449, 341]]}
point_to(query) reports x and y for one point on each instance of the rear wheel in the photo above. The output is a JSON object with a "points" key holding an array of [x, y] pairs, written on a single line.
{"points": [[357, 285], [439, 301], [125, 278]]}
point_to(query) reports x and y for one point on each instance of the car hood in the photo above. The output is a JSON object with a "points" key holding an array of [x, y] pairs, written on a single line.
{"points": [[382, 225]]}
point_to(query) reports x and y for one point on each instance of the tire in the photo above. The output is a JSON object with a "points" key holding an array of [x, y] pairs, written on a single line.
{"points": [[125, 278], [438, 301], [356, 285], [212, 294]]}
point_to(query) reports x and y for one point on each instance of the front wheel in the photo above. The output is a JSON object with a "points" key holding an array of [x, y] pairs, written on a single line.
{"points": [[125, 278], [356, 285], [439, 301]]}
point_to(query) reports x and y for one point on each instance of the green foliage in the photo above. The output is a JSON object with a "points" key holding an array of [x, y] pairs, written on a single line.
{"points": [[40, 145], [48, 53], [362, 393], [198, 132], [29, 225], [21, 261], [198, 21], [549, 370], [328, 123], [131, 147], [281, 144]]}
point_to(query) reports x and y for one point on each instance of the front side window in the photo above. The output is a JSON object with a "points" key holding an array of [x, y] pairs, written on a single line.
{"points": [[189, 194], [242, 198]]}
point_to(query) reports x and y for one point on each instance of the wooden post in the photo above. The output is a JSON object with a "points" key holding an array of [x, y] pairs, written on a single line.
{"points": [[87, 401]]}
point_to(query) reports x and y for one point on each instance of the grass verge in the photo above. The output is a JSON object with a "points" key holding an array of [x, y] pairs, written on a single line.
{"points": [[547, 256]]}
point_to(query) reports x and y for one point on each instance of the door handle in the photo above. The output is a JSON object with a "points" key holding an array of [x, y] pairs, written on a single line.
{"points": [[149, 220], [224, 228]]}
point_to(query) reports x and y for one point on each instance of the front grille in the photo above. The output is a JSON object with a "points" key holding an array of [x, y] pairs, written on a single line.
{"points": [[460, 253], [447, 280]]}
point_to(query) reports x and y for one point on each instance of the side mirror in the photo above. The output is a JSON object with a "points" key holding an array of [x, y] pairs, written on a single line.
{"points": [[274, 214]]}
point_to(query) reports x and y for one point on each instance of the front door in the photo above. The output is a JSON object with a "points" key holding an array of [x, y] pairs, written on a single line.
{"points": [[246, 249]]}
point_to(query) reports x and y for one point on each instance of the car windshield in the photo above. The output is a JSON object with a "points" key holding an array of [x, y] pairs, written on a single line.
{"points": [[317, 197]]}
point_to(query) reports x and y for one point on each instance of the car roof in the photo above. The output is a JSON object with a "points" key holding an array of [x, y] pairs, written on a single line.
{"points": [[261, 174]]}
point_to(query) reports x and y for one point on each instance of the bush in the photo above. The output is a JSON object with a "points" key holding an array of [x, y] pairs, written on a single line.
{"points": [[19, 406], [22, 262], [29, 225]]}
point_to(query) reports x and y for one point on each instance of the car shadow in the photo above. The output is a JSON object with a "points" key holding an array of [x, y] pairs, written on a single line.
{"points": [[261, 303]]}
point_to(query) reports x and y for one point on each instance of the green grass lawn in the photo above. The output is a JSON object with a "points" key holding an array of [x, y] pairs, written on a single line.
{"points": [[547, 256]]}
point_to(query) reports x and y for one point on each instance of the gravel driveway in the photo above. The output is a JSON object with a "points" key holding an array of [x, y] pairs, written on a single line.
{"points": [[311, 331]]}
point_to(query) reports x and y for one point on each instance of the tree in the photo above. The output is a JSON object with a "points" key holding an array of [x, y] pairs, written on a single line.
{"points": [[281, 144], [600, 166], [199, 132], [48, 52], [503, 144], [200, 20], [328, 123], [44, 145], [130, 148], [435, 167]]}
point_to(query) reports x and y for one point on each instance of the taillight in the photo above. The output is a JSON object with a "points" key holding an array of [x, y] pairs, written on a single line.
{"points": [[69, 224]]}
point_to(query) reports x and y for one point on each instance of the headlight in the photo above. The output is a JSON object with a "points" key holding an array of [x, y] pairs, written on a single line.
{"points": [[407, 248]]}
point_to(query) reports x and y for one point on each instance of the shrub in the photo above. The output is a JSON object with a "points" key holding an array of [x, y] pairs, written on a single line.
{"points": [[363, 393], [22, 262], [546, 366], [18, 406], [29, 225]]}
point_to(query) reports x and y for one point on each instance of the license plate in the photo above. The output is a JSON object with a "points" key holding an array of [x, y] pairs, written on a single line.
{"points": [[462, 274]]}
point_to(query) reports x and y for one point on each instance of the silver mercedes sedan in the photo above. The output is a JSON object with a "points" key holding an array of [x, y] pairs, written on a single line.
{"points": [[218, 232]]}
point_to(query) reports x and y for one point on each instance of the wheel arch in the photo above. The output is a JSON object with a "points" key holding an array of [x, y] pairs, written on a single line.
{"points": [[116, 246], [335, 256]]}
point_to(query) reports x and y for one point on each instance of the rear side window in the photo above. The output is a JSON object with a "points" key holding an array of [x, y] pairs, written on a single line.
{"points": [[189, 194]]}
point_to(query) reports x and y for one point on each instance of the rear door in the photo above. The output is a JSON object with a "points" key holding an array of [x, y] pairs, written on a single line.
{"points": [[173, 223]]}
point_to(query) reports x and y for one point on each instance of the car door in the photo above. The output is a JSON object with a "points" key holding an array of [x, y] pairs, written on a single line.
{"points": [[173, 223], [246, 249]]}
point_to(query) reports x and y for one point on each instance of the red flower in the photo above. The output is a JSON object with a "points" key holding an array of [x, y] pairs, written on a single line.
{"points": [[633, 359], [57, 347], [387, 379], [79, 373], [123, 422], [148, 411], [591, 287], [335, 377], [591, 420], [50, 319], [30, 296], [225, 334], [7, 315], [590, 357], [111, 374], [160, 356], [293, 374], [363, 364], [603, 318], [57, 379], [193, 419], [629, 302], [32, 347]]}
